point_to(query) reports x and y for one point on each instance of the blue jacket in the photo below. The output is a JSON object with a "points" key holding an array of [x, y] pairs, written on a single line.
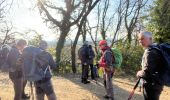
{"points": [[84, 54], [37, 63], [13, 56]]}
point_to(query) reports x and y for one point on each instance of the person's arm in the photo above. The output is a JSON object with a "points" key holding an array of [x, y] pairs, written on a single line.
{"points": [[12, 58], [150, 64], [51, 62]]}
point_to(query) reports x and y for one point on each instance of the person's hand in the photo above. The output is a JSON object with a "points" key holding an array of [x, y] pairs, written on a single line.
{"points": [[139, 74], [108, 69], [97, 65]]}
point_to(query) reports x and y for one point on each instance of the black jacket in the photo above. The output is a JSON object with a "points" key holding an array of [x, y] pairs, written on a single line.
{"points": [[153, 65]]}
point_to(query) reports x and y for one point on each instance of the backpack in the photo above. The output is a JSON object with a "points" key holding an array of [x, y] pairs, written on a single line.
{"points": [[91, 53], [4, 52], [164, 49], [83, 52], [34, 60], [117, 56]]}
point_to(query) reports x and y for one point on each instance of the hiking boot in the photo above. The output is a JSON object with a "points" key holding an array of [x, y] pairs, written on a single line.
{"points": [[106, 97], [93, 78], [86, 82], [25, 96], [110, 98]]}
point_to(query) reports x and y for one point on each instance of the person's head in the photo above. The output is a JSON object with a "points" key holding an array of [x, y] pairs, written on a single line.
{"points": [[20, 44], [43, 45], [145, 39], [102, 44]]}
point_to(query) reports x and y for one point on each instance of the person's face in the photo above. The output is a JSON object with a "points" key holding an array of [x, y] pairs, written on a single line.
{"points": [[44, 46], [21, 47], [144, 40], [101, 47]]}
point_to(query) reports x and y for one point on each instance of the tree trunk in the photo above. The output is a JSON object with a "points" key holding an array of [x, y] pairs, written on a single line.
{"points": [[73, 59], [60, 45], [129, 36], [73, 54]]}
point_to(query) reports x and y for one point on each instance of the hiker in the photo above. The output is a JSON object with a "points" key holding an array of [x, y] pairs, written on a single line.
{"points": [[44, 86], [152, 62], [106, 63], [83, 53], [15, 62], [91, 57]]}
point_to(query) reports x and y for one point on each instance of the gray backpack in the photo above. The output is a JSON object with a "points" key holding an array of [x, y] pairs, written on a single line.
{"points": [[33, 61], [4, 52]]}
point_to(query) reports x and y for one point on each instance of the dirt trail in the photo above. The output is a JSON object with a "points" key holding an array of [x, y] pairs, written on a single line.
{"points": [[69, 87]]}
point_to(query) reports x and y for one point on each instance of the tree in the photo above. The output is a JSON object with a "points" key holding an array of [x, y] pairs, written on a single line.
{"points": [[132, 11], [6, 36], [80, 25], [36, 40], [160, 20], [71, 14]]}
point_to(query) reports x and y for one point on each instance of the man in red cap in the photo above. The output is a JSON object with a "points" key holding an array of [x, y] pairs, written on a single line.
{"points": [[106, 62]]}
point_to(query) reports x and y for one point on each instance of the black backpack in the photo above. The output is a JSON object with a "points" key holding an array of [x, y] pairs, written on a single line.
{"points": [[4, 52], [83, 52], [164, 49]]}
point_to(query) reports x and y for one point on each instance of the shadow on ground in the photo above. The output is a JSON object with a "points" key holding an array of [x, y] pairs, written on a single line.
{"points": [[97, 88]]}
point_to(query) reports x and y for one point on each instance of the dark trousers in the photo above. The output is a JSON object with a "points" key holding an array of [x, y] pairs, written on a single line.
{"points": [[17, 80], [17, 84], [107, 76], [152, 91], [92, 71], [44, 87], [85, 69]]}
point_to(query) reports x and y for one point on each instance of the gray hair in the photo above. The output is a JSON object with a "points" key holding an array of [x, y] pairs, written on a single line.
{"points": [[147, 34], [21, 42]]}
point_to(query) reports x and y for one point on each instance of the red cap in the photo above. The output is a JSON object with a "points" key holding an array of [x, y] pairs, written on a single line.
{"points": [[103, 42]]}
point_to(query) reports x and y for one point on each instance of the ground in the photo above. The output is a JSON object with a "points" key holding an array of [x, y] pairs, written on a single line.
{"points": [[69, 87]]}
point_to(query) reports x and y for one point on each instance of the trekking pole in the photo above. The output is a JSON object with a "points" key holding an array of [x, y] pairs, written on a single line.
{"points": [[32, 93], [133, 91]]}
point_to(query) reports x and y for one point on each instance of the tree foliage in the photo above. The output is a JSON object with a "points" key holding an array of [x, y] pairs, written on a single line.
{"points": [[160, 20]]}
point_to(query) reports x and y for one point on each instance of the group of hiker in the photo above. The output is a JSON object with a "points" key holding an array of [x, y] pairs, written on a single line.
{"points": [[154, 74], [34, 64], [86, 55], [16, 60]]}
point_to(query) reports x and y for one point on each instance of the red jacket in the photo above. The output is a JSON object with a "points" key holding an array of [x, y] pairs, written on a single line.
{"points": [[106, 58]]}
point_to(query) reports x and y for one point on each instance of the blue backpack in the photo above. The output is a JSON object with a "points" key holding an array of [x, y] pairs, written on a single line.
{"points": [[33, 60], [164, 48]]}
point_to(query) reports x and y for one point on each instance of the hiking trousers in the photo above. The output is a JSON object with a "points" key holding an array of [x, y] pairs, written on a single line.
{"points": [[85, 70], [107, 76], [92, 71], [17, 80], [44, 87], [152, 91]]}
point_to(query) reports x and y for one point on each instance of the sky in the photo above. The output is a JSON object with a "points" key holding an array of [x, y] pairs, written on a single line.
{"points": [[25, 17]]}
